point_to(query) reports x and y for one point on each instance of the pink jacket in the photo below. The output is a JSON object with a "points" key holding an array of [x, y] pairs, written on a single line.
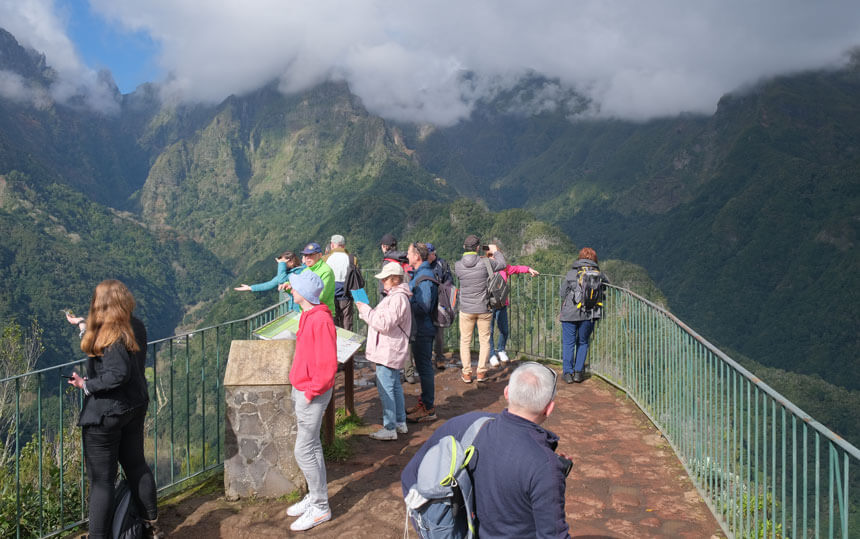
{"points": [[388, 327], [511, 270]]}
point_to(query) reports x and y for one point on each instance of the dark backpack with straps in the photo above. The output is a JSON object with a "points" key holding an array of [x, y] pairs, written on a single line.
{"points": [[588, 289], [497, 288], [127, 520], [446, 302], [354, 279]]}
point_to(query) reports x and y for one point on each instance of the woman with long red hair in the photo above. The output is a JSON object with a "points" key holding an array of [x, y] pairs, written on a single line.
{"points": [[115, 403]]}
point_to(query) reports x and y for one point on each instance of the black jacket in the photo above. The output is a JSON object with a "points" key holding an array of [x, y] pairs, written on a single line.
{"points": [[115, 381]]}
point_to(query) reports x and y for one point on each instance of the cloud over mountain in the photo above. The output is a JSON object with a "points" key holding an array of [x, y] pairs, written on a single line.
{"points": [[431, 61]]}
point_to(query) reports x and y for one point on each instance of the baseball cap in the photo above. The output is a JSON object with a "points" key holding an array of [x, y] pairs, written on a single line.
{"points": [[472, 241], [311, 248], [430, 247], [388, 239], [389, 269]]}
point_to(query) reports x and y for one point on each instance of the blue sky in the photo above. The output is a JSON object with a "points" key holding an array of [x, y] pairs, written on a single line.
{"points": [[130, 56]]}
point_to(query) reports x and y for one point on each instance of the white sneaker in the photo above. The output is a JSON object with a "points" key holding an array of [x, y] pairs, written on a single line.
{"points": [[503, 356], [402, 428], [494, 360], [310, 518], [384, 434], [298, 509]]}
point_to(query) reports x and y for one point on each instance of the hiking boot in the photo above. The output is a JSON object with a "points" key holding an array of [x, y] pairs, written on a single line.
{"points": [[568, 378], [494, 361], [577, 377], [314, 516], [503, 356], [402, 428], [384, 434], [482, 377], [440, 363], [422, 415], [298, 509], [466, 377], [413, 409]]}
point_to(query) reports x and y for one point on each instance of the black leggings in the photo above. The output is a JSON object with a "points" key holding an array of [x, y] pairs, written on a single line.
{"points": [[117, 439]]}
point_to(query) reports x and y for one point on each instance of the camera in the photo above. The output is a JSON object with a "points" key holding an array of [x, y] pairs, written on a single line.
{"points": [[566, 464], [485, 247]]}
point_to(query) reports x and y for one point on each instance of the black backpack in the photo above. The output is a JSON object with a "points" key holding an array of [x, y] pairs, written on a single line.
{"points": [[497, 288], [446, 302], [354, 279], [127, 520], [588, 291]]}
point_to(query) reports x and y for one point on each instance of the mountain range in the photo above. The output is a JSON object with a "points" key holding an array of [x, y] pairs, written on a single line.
{"points": [[744, 222]]}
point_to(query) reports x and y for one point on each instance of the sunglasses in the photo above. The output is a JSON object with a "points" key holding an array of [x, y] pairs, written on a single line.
{"points": [[554, 375]]}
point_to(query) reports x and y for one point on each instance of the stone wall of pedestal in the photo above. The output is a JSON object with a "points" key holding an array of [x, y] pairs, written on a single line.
{"points": [[260, 423]]}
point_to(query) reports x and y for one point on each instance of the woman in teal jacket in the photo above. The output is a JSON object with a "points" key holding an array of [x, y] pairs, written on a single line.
{"points": [[288, 263]]}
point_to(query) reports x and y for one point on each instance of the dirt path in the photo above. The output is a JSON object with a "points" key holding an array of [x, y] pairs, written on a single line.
{"points": [[626, 481]]}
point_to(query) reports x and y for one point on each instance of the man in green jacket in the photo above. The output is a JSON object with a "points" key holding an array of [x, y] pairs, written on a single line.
{"points": [[312, 258]]}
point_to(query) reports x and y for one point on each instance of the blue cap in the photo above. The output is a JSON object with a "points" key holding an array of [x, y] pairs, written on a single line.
{"points": [[308, 284], [430, 247], [311, 248]]}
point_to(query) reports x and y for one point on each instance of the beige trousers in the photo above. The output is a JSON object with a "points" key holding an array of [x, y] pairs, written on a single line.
{"points": [[467, 325]]}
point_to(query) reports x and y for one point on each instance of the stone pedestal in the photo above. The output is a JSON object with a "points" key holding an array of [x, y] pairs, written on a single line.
{"points": [[261, 426]]}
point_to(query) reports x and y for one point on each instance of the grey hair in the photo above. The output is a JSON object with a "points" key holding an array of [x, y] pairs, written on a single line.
{"points": [[531, 388]]}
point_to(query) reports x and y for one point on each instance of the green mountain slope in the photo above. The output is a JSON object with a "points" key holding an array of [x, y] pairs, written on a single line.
{"points": [[747, 219]]}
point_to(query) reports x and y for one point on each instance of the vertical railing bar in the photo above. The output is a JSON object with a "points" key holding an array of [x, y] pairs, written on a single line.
{"points": [[18, 457], [203, 399], [784, 434], [172, 414], [845, 510], [817, 484], [187, 406], [805, 476], [41, 451], [154, 351], [218, 392], [831, 472], [793, 475]]}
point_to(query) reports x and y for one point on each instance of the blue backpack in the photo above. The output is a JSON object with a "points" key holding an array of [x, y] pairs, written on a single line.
{"points": [[441, 503]]}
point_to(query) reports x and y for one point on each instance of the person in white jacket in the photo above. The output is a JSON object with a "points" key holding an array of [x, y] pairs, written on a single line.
{"points": [[388, 329]]}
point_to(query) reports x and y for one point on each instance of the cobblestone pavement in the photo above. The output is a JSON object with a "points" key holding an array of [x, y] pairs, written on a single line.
{"points": [[626, 481]]}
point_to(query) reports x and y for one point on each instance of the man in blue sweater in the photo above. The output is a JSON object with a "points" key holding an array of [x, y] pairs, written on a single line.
{"points": [[425, 294], [518, 478]]}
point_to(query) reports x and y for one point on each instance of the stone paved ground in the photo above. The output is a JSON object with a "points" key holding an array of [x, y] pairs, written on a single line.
{"points": [[626, 481]]}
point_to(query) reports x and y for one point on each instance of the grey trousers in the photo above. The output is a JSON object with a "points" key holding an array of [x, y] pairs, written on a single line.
{"points": [[308, 451]]}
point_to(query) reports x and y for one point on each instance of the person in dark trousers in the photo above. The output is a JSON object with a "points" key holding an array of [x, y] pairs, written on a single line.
{"points": [[423, 301], [339, 260], [114, 408], [442, 272], [577, 323], [518, 478]]}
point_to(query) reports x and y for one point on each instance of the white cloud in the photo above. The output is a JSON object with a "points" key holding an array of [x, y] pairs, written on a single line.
{"points": [[36, 24], [431, 60]]}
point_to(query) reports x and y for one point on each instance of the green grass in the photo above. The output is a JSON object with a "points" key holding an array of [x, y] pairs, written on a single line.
{"points": [[340, 450]]}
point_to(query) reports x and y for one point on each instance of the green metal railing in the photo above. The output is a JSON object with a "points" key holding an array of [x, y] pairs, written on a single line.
{"points": [[765, 468], [43, 489]]}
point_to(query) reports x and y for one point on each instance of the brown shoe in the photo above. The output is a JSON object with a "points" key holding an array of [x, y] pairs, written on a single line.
{"points": [[466, 377], [422, 414], [413, 409]]}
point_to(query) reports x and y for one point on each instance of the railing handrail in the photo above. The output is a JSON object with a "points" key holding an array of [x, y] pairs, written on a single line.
{"points": [[776, 395], [150, 343]]}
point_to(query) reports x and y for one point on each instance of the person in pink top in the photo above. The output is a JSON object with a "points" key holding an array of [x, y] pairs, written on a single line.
{"points": [[388, 329], [500, 318]]}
